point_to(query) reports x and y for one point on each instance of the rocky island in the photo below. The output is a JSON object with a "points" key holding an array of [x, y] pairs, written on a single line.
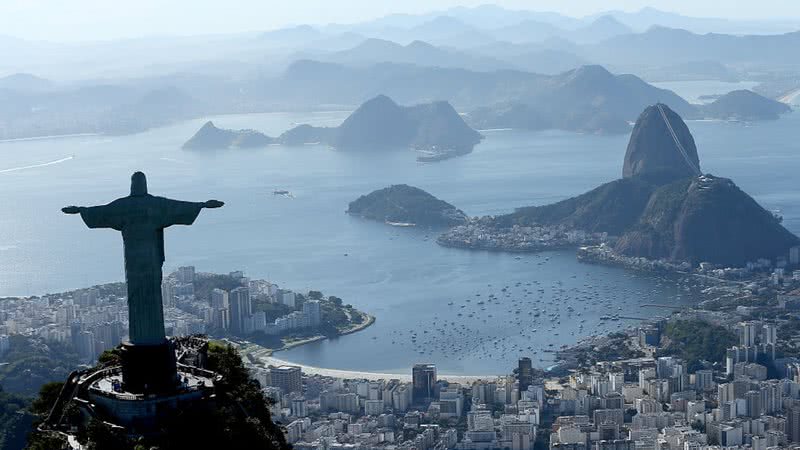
{"points": [[209, 137], [435, 130], [744, 105], [404, 205], [663, 208]]}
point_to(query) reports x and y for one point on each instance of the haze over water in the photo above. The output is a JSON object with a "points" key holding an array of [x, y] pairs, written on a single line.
{"points": [[399, 275]]}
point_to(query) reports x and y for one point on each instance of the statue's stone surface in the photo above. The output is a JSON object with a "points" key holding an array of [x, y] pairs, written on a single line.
{"points": [[142, 218]]}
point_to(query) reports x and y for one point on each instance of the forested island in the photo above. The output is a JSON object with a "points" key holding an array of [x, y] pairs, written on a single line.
{"points": [[406, 205]]}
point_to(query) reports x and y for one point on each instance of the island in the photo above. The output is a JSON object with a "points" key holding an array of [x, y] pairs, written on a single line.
{"points": [[663, 209], [744, 105], [403, 205], [435, 130], [210, 137]]}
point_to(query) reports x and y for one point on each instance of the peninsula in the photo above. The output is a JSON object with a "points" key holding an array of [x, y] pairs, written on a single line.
{"points": [[663, 208]]}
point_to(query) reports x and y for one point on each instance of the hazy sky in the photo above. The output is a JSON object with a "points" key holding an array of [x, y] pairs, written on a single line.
{"points": [[105, 19]]}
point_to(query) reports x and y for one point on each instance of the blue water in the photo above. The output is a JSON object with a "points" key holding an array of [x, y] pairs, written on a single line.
{"points": [[399, 275], [693, 90]]}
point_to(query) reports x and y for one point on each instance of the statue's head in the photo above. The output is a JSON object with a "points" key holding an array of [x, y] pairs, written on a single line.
{"points": [[138, 184]]}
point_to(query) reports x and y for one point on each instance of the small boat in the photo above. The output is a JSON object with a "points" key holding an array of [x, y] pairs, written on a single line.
{"points": [[401, 224], [283, 193]]}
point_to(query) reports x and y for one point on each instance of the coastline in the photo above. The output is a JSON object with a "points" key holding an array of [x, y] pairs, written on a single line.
{"points": [[359, 375], [497, 249], [266, 357], [563, 357], [370, 319]]}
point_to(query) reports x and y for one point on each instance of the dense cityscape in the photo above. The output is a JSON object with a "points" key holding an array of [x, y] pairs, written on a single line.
{"points": [[749, 399], [95, 319]]}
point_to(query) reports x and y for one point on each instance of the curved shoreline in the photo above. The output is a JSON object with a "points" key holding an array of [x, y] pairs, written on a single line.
{"points": [[373, 376], [370, 319], [269, 359]]}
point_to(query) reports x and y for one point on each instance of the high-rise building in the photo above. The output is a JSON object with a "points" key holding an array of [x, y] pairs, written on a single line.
{"points": [[704, 380], [401, 398], [480, 420], [793, 423], [219, 298], [222, 319], [299, 407], [525, 373], [747, 334], [66, 315], [168, 293], [86, 346], [288, 378], [769, 334], [75, 329], [186, 274], [312, 310], [240, 309], [794, 255], [753, 400], [451, 401], [107, 335], [88, 298], [5, 344], [423, 378], [289, 299]]}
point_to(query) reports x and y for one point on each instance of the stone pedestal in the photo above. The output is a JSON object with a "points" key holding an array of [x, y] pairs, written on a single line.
{"points": [[149, 369]]}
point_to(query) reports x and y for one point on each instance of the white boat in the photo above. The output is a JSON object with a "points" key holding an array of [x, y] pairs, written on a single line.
{"points": [[401, 224]]}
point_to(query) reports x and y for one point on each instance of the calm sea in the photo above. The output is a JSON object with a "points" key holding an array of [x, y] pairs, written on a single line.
{"points": [[399, 275]]}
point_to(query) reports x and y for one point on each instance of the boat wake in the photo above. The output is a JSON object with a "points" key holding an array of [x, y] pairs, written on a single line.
{"points": [[34, 166]]}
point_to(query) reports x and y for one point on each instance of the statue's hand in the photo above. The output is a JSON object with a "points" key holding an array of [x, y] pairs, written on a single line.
{"points": [[71, 210], [213, 204]]}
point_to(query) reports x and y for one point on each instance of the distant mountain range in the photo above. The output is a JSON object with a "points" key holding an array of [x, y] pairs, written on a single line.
{"points": [[493, 17], [504, 68], [677, 52], [660, 44], [421, 53], [529, 31], [25, 82], [587, 99]]}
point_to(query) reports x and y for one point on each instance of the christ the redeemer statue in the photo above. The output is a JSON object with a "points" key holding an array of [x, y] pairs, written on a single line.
{"points": [[142, 218]]}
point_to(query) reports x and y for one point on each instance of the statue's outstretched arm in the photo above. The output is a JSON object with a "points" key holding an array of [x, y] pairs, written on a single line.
{"points": [[213, 204], [72, 209]]}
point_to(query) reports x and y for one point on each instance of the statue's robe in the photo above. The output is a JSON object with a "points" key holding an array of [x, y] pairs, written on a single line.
{"points": [[142, 219]]}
